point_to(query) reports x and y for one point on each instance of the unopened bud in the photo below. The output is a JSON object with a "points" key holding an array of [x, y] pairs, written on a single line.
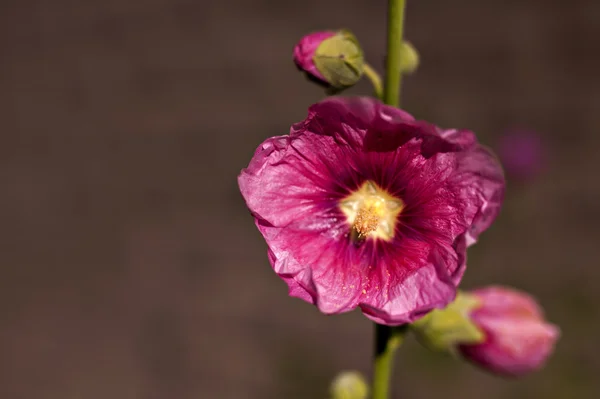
{"points": [[518, 339], [499, 329], [332, 58], [349, 385], [409, 58]]}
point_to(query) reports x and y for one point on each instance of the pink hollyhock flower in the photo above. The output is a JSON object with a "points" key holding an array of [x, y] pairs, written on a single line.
{"points": [[363, 206], [521, 153], [517, 338]]}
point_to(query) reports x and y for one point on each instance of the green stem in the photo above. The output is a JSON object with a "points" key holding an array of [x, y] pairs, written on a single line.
{"points": [[375, 79], [393, 74], [387, 341]]}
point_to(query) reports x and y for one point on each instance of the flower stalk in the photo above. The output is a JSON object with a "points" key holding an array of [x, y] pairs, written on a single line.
{"points": [[393, 65], [388, 339], [375, 79]]}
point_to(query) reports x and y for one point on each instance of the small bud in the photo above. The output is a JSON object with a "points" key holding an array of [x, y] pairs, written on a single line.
{"points": [[409, 58], [349, 385], [333, 59]]}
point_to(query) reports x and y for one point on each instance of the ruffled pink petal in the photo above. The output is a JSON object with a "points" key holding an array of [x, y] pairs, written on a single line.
{"points": [[407, 301]]}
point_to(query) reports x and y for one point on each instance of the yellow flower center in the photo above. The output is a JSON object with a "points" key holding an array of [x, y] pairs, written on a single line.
{"points": [[371, 212]]}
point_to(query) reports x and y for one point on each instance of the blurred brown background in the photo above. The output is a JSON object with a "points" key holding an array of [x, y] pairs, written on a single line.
{"points": [[130, 267]]}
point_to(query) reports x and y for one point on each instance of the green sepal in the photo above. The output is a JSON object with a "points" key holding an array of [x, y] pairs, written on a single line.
{"points": [[340, 60], [444, 329]]}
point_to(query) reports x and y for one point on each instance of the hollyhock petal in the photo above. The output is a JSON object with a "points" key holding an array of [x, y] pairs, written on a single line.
{"points": [[299, 284], [410, 301], [433, 192], [487, 184]]}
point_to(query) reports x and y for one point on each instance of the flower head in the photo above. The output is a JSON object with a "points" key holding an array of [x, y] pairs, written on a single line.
{"points": [[333, 59], [517, 338], [363, 206]]}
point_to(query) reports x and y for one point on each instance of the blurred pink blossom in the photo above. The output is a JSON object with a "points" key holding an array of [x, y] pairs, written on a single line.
{"points": [[522, 153]]}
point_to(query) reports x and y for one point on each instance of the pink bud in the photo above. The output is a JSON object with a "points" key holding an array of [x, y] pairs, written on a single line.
{"points": [[331, 59], [305, 51], [517, 338]]}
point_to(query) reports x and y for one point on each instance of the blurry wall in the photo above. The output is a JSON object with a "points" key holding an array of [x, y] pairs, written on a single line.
{"points": [[130, 267]]}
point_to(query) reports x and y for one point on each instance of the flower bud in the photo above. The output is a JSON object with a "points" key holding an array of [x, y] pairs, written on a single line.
{"points": [[409, 58], [499, 329], [333, 59], [349, 385], [517, 338]]}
